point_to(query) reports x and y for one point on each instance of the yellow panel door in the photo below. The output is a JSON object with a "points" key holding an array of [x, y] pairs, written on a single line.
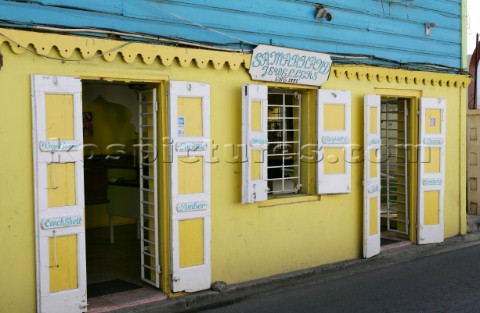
{"points": [[59, 201], [189, 107], [371, 176], [431, 170]]}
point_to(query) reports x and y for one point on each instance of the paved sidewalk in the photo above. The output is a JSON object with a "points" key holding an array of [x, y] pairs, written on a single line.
{"points": [[208, 299]]}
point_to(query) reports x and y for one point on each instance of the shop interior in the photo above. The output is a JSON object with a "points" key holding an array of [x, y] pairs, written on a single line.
{"points": [[395, 170], [112, 193]]}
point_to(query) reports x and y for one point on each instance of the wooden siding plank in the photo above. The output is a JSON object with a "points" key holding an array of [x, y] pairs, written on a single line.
{"points": [[314, 31], [304, 10], [295, 27], [110, 7], [359, 27]]}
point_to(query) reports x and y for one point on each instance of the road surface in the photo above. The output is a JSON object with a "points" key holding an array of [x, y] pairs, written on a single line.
{"points": [[446, 282]]}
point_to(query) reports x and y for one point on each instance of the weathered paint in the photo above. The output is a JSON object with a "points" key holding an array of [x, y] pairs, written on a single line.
{"points": [[63, 272], [61, 184], [257, 240], [388, 29]]}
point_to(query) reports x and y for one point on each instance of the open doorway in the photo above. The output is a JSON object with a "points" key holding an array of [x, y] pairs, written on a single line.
{"points": [[122, 253], [397, 137]]}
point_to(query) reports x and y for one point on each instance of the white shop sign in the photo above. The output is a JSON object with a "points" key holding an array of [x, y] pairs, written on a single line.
{"points": [[192, 206], [61, 222], [60, 145], [191, 146], [291, 66]]}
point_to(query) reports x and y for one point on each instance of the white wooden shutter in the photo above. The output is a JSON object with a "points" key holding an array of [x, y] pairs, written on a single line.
{"points": [[189, 106], [59, 194], [334, 139], [431, 170], [255, 141], [371, 176]]}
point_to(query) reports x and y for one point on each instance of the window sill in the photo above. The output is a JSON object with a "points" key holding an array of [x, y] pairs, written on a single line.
{"points": [[288, 199]]}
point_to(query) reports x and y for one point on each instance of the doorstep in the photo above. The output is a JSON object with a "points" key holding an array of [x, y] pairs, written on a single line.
{"points": [[125, 300]]}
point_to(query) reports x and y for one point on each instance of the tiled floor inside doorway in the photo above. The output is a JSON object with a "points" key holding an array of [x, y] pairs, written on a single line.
{"points": [[392, 240], [120, 260]]}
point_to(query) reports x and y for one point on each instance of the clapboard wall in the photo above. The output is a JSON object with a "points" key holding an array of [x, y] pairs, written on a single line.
{"points": [[391, 29]]}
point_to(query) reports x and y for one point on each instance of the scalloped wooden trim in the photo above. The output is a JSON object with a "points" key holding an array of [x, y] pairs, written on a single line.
{"points": [[109, 50], [400, 77], [66, 45]]}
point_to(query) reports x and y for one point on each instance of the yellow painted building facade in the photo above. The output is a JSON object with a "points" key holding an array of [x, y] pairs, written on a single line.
{"points": [[248, 241]]}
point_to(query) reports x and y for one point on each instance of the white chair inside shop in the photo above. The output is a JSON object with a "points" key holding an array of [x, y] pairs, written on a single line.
{"points": [[123, 201]]}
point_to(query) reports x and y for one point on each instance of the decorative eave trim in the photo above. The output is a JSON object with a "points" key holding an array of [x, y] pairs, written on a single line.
{"points": [[107, 49], [399, 76]]}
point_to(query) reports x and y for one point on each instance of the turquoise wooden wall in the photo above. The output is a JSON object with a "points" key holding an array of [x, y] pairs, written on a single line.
{"points": [[390, 29]]}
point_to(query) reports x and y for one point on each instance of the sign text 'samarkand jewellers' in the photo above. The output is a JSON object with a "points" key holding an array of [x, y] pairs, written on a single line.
{"points": [[291, 66]]}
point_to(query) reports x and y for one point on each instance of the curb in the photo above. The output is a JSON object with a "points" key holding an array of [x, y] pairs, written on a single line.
{"points": [[236, 292]]}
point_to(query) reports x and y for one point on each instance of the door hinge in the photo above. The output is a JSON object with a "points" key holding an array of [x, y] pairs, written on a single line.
{"points": [[83, 305]]}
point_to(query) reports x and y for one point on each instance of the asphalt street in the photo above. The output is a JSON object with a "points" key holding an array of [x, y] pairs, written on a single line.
{"points": [[446, 282]]}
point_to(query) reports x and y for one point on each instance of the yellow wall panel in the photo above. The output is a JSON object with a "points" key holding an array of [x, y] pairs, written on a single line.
{"points": [[256, 169], [61, 184], [63, 263], [191, 110], [256, 116], [59, 116], [373, 216], [373, 120], [190, 175], [433, 122], [431, 207], [334, 162], [334, 117], [432, 160], [373, 163], [191, 242]]}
